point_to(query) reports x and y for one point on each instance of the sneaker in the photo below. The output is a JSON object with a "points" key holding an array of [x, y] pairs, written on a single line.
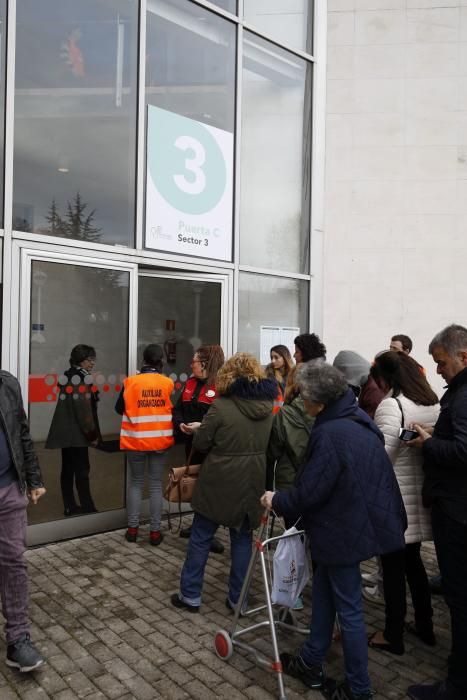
{"points": [[371, 579], [155, 537], [131, 534], [216, 546], [342, 691], [311, 676], [23, 655], [179, 603], [373, 594]]}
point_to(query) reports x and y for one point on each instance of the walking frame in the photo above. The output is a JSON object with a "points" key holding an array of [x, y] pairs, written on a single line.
{"points": [[225, 642]]}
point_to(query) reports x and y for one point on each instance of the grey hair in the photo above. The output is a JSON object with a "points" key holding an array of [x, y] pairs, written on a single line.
{"points": [[452, 339], [320, 382]]}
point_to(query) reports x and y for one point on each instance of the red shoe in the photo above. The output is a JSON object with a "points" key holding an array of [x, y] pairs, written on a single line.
{"points": [[131, 534], [155, 537]]}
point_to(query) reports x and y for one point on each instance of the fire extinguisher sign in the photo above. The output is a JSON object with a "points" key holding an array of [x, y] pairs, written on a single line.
{"points": [[189, 186]]}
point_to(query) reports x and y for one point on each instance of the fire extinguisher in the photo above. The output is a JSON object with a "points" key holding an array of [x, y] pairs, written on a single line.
{"points": [[170, 349]]}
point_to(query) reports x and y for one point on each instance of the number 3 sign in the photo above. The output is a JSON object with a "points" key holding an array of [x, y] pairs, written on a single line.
{"points": [[188, 186]]}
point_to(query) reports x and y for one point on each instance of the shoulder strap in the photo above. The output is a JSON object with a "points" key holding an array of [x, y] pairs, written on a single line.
{"points": [[401, 410]]}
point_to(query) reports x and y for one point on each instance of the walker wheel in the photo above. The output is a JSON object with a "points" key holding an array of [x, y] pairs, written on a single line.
{"points": [[286, 616], [223, 645]]}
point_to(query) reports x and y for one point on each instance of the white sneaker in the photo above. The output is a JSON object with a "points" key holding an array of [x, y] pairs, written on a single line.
{"points": [[372, 594], [370, 578]]}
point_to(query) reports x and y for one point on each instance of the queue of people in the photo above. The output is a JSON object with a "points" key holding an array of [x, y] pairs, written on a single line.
{"points": [[361, 487]]}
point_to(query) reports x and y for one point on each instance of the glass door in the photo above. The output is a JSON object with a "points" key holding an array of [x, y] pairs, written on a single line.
{"points": [[180, 312], [70, 302]]}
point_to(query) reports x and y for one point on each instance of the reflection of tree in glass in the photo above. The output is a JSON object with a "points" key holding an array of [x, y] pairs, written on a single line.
{"points": [[76, 224]]}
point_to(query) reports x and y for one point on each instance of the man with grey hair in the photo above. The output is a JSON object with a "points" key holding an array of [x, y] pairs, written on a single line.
{"points": [[445, 491]]}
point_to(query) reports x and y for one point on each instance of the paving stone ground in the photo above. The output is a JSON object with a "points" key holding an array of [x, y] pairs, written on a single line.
{"points": [[101, 615]]}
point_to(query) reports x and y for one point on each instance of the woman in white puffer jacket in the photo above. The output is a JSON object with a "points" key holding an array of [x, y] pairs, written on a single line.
{"points": [[409, 399]]}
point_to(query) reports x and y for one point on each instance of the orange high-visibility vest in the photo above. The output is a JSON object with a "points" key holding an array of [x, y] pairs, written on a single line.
{"points": [[147, 421], [278, 401]]}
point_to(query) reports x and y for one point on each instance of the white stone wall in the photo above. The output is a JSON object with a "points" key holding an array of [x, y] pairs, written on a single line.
{"points": [[395, 256]]}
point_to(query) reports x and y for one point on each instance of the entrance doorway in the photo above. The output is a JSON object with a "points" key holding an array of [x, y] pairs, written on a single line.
{"points": [[180, 313], [67, 298]]}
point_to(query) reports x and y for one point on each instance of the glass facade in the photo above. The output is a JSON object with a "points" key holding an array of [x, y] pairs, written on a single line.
{"points": [[190, 62], [98, 89], [258, 313], [75, 119], [275, 158], [289, 22], [229, 5]]}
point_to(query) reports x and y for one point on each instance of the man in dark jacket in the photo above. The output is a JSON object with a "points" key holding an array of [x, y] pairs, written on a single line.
{"points": [[352, 509], [445, 490], [19, 475]]}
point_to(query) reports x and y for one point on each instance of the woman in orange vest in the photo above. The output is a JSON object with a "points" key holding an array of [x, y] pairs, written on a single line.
{"points": [[146, 435]]}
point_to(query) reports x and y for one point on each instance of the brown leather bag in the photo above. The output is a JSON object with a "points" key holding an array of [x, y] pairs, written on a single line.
{"points": [[181, 483]]}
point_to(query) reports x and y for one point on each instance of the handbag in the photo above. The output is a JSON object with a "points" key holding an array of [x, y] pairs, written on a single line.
{"points": [[180, 487], [181, 483]]}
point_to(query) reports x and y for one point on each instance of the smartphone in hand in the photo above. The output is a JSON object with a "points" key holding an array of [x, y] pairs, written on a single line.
{"points": [[406, 434]]}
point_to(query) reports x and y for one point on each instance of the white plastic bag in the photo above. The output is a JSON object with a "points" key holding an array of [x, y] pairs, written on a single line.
{"points": [[290, 569]]}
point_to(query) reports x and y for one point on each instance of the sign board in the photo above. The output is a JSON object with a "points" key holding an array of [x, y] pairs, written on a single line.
{"points": [[276, 335], [189, 186]]}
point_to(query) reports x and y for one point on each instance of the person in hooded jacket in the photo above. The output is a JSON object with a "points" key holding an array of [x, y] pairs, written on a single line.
{"points": [[234, 434], [356, 370], [289, 438], [352, 509], [287, 445]]}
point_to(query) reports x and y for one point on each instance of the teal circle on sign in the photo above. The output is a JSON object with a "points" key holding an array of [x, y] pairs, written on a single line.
{"points": [[185, 161]]}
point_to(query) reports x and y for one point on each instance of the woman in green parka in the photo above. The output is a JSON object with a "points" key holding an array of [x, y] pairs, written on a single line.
{"points": [[289, 439], [235, 434], [287, 445]]}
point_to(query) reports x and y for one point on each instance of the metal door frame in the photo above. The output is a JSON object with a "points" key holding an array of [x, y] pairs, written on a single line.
{"points": [[23, 256]]}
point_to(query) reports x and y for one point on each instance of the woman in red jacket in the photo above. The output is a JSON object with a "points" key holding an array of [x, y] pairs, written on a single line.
{"points": [[194, 402]]}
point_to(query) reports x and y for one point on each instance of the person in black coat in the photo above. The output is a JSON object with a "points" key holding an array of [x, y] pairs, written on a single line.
{"points": [[445, 492], [74, 427], [352, 509]]}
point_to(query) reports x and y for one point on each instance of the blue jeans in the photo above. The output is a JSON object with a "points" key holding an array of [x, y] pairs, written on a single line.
{"points": [[202, 534], [338, 589], [136, 467]]}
